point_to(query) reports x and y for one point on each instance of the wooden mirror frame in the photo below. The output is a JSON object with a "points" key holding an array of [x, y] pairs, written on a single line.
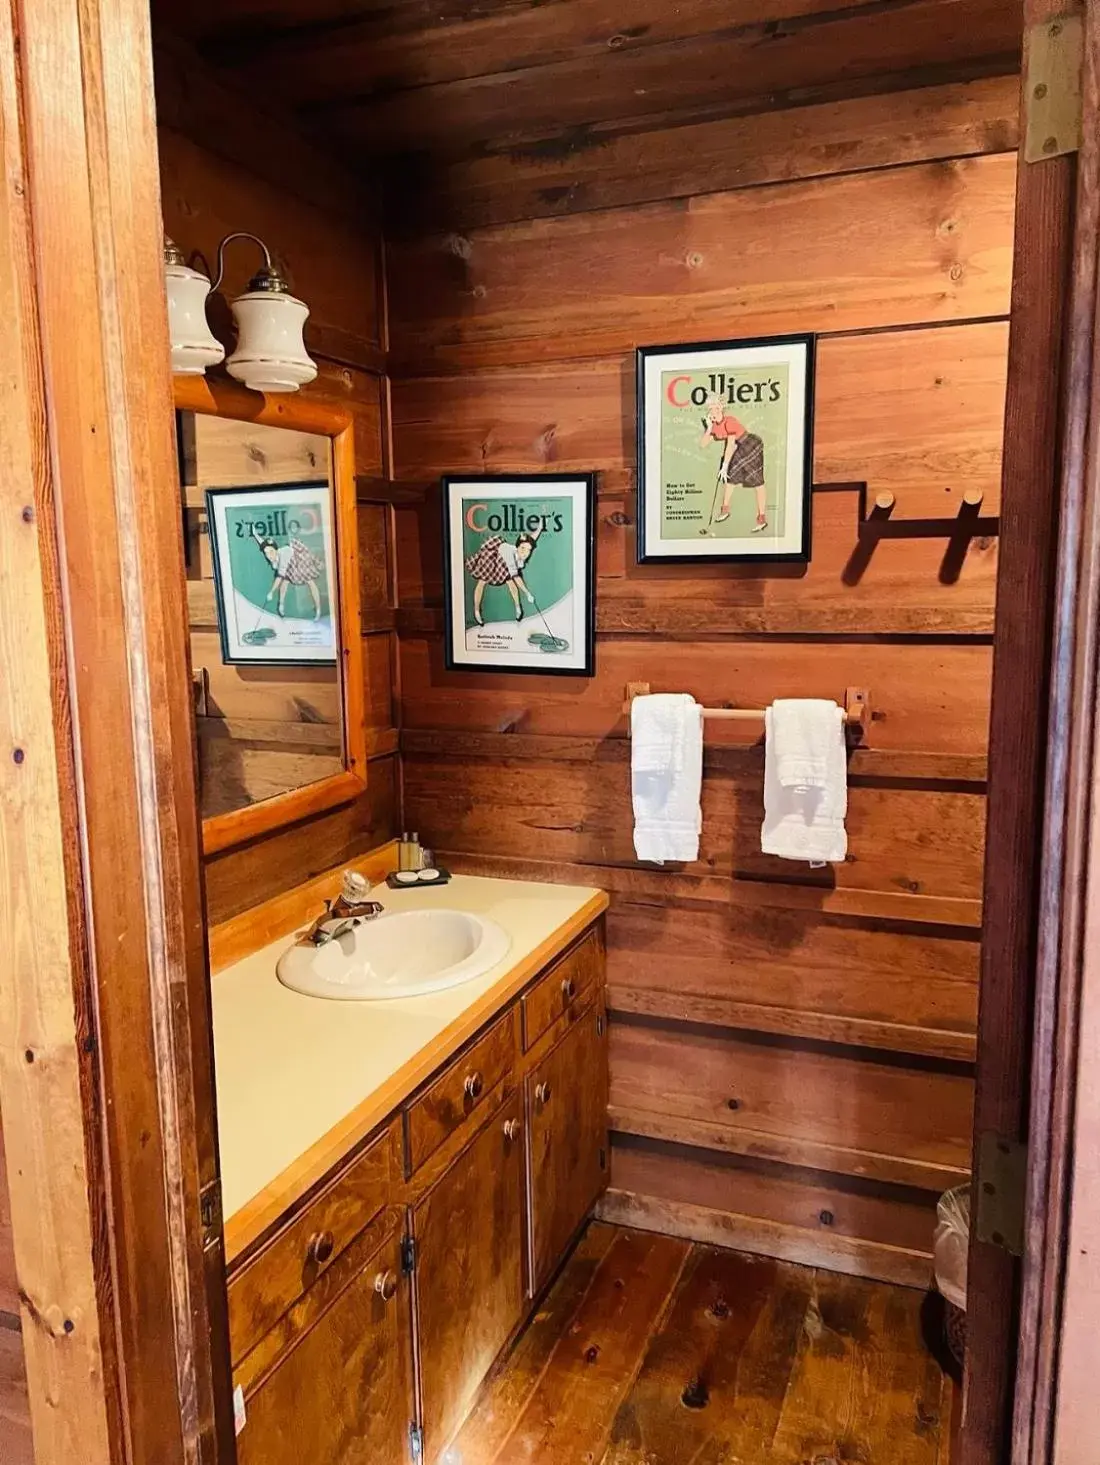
{"points": [[221, 398]]}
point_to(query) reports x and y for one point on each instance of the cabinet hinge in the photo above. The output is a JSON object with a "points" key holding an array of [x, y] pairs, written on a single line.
{"points": [[408, 1255], [599, 1025], [416, 1442], [210, 1212], [1052, 93], [1001, 1189]]}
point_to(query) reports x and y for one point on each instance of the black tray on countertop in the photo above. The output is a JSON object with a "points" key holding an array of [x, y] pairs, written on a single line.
{"points": [[395, 884]]}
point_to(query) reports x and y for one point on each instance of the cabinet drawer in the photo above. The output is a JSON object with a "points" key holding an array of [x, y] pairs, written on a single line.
{"points": [[341, 1392], [460, 1090], [273, 1280], [566, 987]]}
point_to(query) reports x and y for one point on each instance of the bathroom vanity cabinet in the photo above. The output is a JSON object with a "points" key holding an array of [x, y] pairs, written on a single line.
{"points": [[367, 1318]]}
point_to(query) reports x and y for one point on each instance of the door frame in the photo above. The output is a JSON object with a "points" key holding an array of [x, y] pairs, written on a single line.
{"points": [[1040, 771], [106, 1069]]}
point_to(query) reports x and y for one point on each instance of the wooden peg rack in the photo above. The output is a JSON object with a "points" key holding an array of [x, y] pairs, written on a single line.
{"points": [[857, 709]]}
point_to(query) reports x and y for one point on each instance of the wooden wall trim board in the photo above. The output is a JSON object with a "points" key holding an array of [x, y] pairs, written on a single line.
{"points": [[54, 1210], [850, 1255], [695, 890]]}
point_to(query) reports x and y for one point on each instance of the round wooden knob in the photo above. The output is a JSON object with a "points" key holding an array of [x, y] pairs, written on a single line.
{"points": [[385, 1284], [321, 1246], [512, 1129], [542, 1094], [473, 1085], [569, 989]]}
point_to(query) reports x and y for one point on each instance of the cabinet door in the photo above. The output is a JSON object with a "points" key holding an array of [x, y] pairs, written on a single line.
{"points": [[343, 1394], [567, 1103], [469, 1271]]}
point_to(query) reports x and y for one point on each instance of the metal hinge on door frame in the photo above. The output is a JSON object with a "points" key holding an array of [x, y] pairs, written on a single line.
{"points": [[1052, 92], [416, 1442], [210, 1212], [1001, 1192], [408, 1255]]}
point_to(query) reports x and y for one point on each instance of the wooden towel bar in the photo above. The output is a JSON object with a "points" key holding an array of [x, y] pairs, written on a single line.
{"points": [[857, 709]]}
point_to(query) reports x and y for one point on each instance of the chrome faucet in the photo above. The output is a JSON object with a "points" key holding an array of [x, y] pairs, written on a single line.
{"points": [[351, 908]]}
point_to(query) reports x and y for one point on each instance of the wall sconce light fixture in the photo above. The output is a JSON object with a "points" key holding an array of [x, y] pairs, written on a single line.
{"points": [[270, 355], [194, 346]]}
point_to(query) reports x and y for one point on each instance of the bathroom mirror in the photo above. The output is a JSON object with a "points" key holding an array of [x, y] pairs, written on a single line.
{"points": [[271, 557]]}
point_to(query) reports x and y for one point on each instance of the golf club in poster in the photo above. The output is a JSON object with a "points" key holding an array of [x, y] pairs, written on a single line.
{"points": [[520, 588], [724, 450]]}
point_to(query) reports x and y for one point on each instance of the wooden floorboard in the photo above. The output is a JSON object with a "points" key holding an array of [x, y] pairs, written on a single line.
{"points": [[652, 1351]]}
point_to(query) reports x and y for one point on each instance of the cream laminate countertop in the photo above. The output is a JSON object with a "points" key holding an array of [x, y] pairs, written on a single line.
{"points": [[302, 1079]]}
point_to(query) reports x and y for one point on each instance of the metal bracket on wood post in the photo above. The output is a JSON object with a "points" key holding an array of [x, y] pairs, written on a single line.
{"points": [[1052, 92], [1002, 1184]]}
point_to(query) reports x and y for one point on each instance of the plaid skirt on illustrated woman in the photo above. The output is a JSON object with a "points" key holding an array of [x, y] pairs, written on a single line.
{"points": [[747, 464], [487, 564], [304, 564]]}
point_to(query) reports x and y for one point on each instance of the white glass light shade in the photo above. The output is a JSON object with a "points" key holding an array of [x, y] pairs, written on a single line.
{"points": [[194, 347], [270, 355]]}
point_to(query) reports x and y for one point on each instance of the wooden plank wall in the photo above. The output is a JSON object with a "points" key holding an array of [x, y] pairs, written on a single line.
{"points": [[226, 165], [791, 1050]]}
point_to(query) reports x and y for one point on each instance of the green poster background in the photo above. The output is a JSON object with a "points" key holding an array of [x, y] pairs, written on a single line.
{"points": [[251, 573], [689, 468], [548, 573]]}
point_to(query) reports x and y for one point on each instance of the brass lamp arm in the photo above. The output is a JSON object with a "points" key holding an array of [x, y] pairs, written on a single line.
{"points": [[267, 278]]}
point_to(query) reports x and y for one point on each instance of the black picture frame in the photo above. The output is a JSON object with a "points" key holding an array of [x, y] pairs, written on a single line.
{"points": [[583, 619], [799, 553]]}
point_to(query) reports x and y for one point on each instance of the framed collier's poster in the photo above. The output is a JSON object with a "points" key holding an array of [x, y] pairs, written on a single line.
{"points": [[519, 576], [274, 573], [725, 450]]}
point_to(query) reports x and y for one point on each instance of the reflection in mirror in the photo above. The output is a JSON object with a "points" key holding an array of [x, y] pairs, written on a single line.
{"points": [[260, 515]]}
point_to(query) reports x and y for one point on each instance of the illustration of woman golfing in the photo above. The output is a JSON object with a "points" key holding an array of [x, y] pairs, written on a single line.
{"points": [[742, 461], [499, 562], [292, 564]]}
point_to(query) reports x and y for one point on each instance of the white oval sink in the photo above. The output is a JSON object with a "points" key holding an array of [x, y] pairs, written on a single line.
{"points": [[405, 954]]}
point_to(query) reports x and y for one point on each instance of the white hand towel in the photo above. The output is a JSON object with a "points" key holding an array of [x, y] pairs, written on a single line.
{"points": [[807, 822], [802, 735], [666, 776]]}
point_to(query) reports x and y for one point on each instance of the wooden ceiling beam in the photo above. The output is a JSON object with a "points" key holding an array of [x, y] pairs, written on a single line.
{"points": [[617, 166], [822, 51], [384, 53]]}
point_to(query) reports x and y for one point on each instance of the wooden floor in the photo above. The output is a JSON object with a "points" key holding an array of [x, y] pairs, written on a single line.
{"points": [[652, 1351]]}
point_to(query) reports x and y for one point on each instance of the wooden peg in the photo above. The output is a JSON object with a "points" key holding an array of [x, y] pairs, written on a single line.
{"points": [[634, 689], [885, 500], [973, 497], [857, 711]]}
